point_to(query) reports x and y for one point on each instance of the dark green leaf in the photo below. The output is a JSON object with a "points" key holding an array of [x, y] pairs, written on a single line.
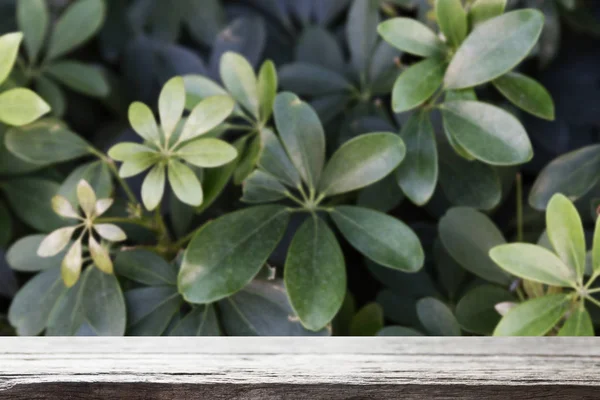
{"points": [[80, 77], [312, 79], [145, 267], [33, 18], [150, 309], [22, 255], [52, 94], [201, 321], [483, 10], [319, 47], [382, 196], [437, 318], [526, 94], [361, 32], [398, 331], [475, 312], [274, 160], [261, 187], [368, 321]]}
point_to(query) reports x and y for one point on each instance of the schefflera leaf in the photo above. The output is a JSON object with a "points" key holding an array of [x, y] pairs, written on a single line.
{"points": [[315, 274], [226, 254], [452, 19], [412, 37], [579, 323], [361, 162], [494, 48], [534, 317], [527, 94], [380, 237], [417, 84], [9, 49]]}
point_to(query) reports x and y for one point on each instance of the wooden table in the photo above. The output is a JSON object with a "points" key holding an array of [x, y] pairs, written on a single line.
{"points": [[299, 368]]}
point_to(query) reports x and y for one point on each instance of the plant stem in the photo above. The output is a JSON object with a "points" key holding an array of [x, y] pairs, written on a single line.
{"points": [[294, 198], [592, 280], [519, 183], [124, 220], [111, 165], [163, 233], [593, 291]]}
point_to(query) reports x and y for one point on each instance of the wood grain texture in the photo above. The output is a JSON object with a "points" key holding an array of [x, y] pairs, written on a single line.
{"points": [[299, 368]]}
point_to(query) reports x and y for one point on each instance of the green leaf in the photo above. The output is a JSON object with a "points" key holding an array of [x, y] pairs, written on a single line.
{"points": [[126, 151], [32, 19], [274, 160], [527, 94], [572, 174], [100, 256], [579, 323], [76, 26], [317, 46], [267, 89], [468, 236], [417, 84], [596, 248], [67, 317], [302, 135], [367, 321], [380, 237], [534, 317], [21, 107], [171, 104], [312, 80], [437, 318], [361, 33], [565, 231], [483, 10], [475, 311], [418, 174], [198, 88], [52, 94], [214, 180], [452, 19], [31, 307], [494, 48], [315, 274], [239, 79], [9, 50], [185, 184], [10, 164], [228, 252], [22, 255], [207, 115], [534, 263], [412, 37], [383, 196], [362, 161], [454, 95], [150, 309], [341, 323], [143, 123], [261, 187], [201, 321], [153, 187], [70, 267], [103, 303], [249, 148], [207, 152], [46, 142], [80, 77], [261, 309], [487, 132], [31, 200]]}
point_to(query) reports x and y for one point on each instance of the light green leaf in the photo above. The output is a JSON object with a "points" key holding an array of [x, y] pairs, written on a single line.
{"points": [[76, 26], [143, 122], [315, 274], [171, 104], [468, 236], [494, 48], [198, 88], [596, 248], [418, 174], [367, 321], [80, 77], [21, 107], [70, 267], [46, 142], [412, 37], [565, 231], [201, 321], [100, 256], [302, 135], [207, 152], [534, 317], [150, 309], [9, 49], [239, 79], [437, 318], [126, 151], [452, 19], [267, 89], [572, 174], [55, 242], [274, 160], [228, 252], [138, 164], [86, 197], [417, 84], [487, 132], [153, 187], [207, 115], [261, 187], [483, 10], [110, 232], [32, 19], [382, 238], [63, 207], [145, 267], [185, 184], [527, 94], [476, 313], [31, 307], [362, 161], [579, 323], [103, 303], [534, 263]]}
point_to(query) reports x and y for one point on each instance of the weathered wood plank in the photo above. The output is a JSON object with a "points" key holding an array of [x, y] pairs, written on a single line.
{"points": [[299, 368]]}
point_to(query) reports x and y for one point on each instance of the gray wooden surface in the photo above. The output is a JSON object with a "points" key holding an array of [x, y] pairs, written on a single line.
{"points": [[299, 368]]}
